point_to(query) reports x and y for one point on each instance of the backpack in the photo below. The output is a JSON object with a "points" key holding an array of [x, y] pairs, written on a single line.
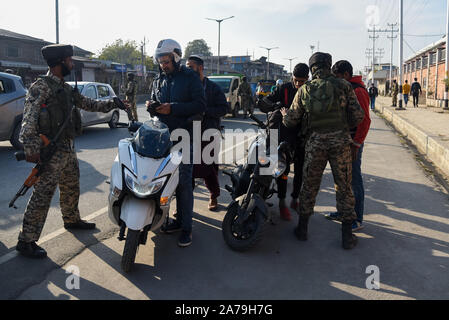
{"points": [[321, 99]]}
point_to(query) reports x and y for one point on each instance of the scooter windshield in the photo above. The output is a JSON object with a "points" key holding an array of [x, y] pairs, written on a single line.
{"points": [[152, 140]]}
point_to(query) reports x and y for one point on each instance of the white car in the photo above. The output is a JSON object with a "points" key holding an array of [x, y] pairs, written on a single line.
{"points": [[102, 92]]}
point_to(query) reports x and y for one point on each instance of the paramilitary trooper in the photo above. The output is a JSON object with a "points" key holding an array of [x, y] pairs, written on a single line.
{"points": [[131, 92], [246, 94], [327, 107], [49, 104]]}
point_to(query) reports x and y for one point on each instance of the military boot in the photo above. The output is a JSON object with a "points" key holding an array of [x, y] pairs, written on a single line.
{"points": [[349, 240], [31, 250], [301, 230], [80, 225]]}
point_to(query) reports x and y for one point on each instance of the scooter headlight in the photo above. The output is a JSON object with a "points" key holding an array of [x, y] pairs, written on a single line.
{"points": [[280, 169], [264, 161], [143, 191]]}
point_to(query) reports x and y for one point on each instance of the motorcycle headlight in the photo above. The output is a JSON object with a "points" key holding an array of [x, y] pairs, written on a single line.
{"points": [[264, 161], [280, 169], [142, 191]]}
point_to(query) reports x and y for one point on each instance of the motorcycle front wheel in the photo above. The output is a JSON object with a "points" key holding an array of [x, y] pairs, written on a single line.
{"points": [[130, 250], [243, 237]]}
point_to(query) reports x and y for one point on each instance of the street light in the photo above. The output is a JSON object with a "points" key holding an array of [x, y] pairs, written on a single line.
{"points": [[57, 21], [268, 64], [312, 48], [291, 59], [219, 34]]}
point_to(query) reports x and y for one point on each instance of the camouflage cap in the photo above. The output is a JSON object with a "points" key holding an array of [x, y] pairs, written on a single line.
{"points": [[320, 57], [54, 53]]}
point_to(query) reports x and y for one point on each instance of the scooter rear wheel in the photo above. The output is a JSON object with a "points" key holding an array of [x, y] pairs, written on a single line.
{"points": [[130, 250], [243, 237]]}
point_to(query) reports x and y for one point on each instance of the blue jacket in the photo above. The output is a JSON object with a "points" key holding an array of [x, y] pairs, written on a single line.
{"points": [[217, 106], [184, 91]]}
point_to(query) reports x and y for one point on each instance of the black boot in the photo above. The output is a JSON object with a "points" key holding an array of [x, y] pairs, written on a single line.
{"points": [[80, 225], [301, 230], [31, 250], [349, 240]]}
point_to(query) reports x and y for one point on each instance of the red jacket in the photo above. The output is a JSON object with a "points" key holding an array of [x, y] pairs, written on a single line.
{"points": [[363, 97]]}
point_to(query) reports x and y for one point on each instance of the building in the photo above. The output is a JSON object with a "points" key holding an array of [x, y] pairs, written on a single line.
{"points": [[381, 77], [429, 67]]}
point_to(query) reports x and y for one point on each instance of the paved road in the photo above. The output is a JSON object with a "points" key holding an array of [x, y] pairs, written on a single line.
{"points": [[406, 237]]}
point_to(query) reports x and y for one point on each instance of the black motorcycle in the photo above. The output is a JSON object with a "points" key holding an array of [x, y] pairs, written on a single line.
{"points": [[247, 216]]}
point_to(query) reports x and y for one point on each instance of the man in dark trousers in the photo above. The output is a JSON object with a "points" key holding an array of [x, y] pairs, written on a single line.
{"points": [[282, 97], [416, 91], [216, 108], [373, 93], [181, 96]]}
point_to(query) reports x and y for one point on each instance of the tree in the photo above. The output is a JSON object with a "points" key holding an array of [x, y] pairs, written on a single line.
{"points": [[126, 53], [198, 47]]}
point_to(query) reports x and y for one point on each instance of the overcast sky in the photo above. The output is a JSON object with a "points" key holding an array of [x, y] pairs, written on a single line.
{"points": [[340, 27]]}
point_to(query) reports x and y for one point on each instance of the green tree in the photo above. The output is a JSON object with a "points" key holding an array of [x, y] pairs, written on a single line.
{"points": [[126, 52], [198, 47]]}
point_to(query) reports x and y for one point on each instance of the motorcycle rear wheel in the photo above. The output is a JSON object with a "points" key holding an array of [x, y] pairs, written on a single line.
{"points": [[130, 250], [251, 232]]}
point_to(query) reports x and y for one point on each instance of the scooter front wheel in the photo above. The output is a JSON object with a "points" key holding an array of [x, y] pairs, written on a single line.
{"points": [[243, 237], [130, 250]]}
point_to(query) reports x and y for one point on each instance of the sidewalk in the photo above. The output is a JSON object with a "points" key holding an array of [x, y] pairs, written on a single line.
{"points": [[427, 128]]}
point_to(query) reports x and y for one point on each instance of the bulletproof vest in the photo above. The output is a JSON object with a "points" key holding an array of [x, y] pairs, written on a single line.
{"points": [[324, 110], [53, 114]]}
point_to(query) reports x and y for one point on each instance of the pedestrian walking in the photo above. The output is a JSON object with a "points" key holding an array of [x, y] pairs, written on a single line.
{"points": [[416, 91], [328, 107], [216, 108], [406, 92], [373, 94], [344, 70], [48, 105], [394, 93]]}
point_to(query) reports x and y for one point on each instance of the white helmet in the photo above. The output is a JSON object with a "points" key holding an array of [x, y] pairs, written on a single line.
{"points": [[279, 82], [166, 47]]}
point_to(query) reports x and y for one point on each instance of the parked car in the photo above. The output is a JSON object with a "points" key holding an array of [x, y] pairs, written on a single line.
{"points": [[97, 91], [12, 101], [229, 85]]}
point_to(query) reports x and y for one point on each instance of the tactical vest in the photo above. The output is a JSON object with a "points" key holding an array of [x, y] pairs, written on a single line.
{"points": [[57, 109], [324, 111]]}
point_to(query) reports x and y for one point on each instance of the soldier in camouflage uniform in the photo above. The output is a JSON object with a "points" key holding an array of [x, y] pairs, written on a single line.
{"points": [[246, 95], [48, 104], [394, 93], [131, 92], [326, 107]]}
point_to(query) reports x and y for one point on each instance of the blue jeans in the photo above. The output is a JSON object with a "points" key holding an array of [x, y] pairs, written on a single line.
{"points": [[357, 186], [184, 195], [373, 103], [406, 99]]}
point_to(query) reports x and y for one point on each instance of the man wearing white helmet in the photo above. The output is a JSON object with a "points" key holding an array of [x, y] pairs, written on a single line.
{"points": [[180, 93]]}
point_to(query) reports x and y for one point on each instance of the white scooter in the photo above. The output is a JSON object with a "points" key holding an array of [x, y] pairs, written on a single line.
{"points": [[144, 178]]}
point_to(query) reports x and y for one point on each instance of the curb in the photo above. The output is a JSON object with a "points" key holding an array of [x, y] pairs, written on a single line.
{"points": [[427, 145]]}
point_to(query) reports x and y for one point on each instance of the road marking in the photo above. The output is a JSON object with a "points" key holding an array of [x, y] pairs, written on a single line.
{"points": [[13, 254], [207, 224]]}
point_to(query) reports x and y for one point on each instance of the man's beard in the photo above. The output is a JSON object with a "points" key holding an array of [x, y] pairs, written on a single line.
{"points": [[65, 71]]}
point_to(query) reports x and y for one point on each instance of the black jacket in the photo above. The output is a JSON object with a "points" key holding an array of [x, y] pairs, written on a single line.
{"points": [[184, 91], [373, 92], [283, 97], [416, 88], [216, 105]]}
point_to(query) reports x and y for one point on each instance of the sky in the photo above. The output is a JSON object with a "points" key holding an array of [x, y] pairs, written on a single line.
{"points": [[335, 26]]}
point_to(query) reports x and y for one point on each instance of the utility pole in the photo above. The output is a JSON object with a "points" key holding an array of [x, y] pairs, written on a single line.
{"points": [[291, 59], [446, 90], [392, 37], [57, 21], [401, 51], [374, 37], [219, 38], [143, 46], [268, 64]]}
